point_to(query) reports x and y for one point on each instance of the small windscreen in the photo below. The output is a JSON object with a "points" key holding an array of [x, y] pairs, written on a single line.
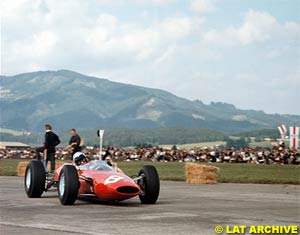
{"points": [[96, 165]]}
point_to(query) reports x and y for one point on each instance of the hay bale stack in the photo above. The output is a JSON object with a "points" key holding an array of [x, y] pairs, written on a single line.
{"points": [[201, 174], [22, 167]]}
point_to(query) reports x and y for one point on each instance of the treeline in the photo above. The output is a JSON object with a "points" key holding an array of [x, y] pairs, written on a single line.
{"points": [[121, 137], [237, 143], [260, 134], [32, 139]]}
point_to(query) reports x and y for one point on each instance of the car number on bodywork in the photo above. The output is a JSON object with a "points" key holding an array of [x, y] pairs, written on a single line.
{"points": [[113, 179]]}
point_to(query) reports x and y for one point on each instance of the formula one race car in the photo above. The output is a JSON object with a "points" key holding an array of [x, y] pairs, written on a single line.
{"points": [[95, 177]]}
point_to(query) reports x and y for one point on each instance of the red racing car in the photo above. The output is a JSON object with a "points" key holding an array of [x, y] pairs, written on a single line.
{"points": [[94, 177]]}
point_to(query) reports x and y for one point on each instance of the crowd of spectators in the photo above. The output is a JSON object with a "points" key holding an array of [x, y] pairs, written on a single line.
{"points": [[243, 155]]}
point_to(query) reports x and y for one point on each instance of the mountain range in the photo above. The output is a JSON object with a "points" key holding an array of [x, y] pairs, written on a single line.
{"points": [[69, 99]]}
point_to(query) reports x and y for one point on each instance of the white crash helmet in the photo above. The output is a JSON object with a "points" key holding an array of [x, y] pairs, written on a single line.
{"points": [[79, 157]]}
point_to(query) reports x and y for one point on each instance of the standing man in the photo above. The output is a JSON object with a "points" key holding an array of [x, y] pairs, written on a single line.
{"points": [[51, 140], [75, 141]]}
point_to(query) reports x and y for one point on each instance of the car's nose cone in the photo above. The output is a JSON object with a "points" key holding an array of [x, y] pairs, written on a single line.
{"points": [[115, 187]]}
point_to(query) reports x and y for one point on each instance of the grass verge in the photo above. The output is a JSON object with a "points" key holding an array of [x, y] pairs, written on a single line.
{"points": [[229, 173]]}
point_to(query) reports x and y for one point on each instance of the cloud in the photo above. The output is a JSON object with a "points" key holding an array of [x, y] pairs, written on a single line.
{"points": [[256, 27], [159, 2], [203, 6], [39, 44], [28, 53], [176, 27], [110, 37], [51, 35]]}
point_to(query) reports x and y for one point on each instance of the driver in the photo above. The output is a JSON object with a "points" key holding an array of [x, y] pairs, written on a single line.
{"points": [[79, 159]]}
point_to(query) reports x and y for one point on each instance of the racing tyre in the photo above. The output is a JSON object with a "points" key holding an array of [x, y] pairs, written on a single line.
{"points": [[34, 180], [149, 184], [68, 185]]}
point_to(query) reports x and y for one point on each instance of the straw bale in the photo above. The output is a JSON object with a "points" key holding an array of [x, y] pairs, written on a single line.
{"points": [[22, 167], [201, 174]]}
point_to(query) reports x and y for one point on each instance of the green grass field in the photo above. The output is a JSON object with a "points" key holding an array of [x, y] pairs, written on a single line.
{"points": [[193, 145], [262, 144], [229, 173]]}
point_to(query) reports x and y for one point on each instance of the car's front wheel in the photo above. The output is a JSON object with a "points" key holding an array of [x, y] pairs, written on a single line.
{"points": [[149, 184], [68, 185], [34, 181]]}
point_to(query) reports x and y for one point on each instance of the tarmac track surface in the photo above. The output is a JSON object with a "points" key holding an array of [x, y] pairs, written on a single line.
{"points": [[182, 209]]}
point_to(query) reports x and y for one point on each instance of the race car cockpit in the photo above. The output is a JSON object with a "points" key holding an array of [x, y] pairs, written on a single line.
{"points": [[96, 165]]}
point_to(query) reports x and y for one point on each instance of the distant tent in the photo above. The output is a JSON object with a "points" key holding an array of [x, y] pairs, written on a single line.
{"points": [[15, 145]]}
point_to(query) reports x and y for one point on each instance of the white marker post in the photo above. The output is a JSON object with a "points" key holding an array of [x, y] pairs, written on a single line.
{"points": [[101, 132]]}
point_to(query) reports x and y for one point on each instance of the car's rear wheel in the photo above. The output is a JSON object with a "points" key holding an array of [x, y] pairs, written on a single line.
{"points": [[34, 181], [68, 185], [149, 184]]}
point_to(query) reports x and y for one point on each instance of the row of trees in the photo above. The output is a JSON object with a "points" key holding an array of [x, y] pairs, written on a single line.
{"points": [[122, 137], [237, 143], [134, 137], [128, 137]]}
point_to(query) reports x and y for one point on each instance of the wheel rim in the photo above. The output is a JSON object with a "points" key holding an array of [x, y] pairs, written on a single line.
{"points": [[28, 178], [141, 183], [62, 185]]}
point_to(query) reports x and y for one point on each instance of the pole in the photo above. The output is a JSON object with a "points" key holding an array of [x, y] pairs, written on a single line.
{"points": [[100, 133], [100, 153]]}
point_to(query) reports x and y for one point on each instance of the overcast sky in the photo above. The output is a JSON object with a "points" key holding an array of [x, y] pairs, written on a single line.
{"points": [[242, 52]]}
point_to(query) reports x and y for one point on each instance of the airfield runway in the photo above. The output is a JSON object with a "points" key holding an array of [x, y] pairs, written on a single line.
{"points": [[181, 209]]}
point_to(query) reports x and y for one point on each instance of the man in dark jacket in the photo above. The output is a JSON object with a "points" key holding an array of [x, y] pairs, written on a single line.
{"points": [[74, 142], [51, 140]]}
